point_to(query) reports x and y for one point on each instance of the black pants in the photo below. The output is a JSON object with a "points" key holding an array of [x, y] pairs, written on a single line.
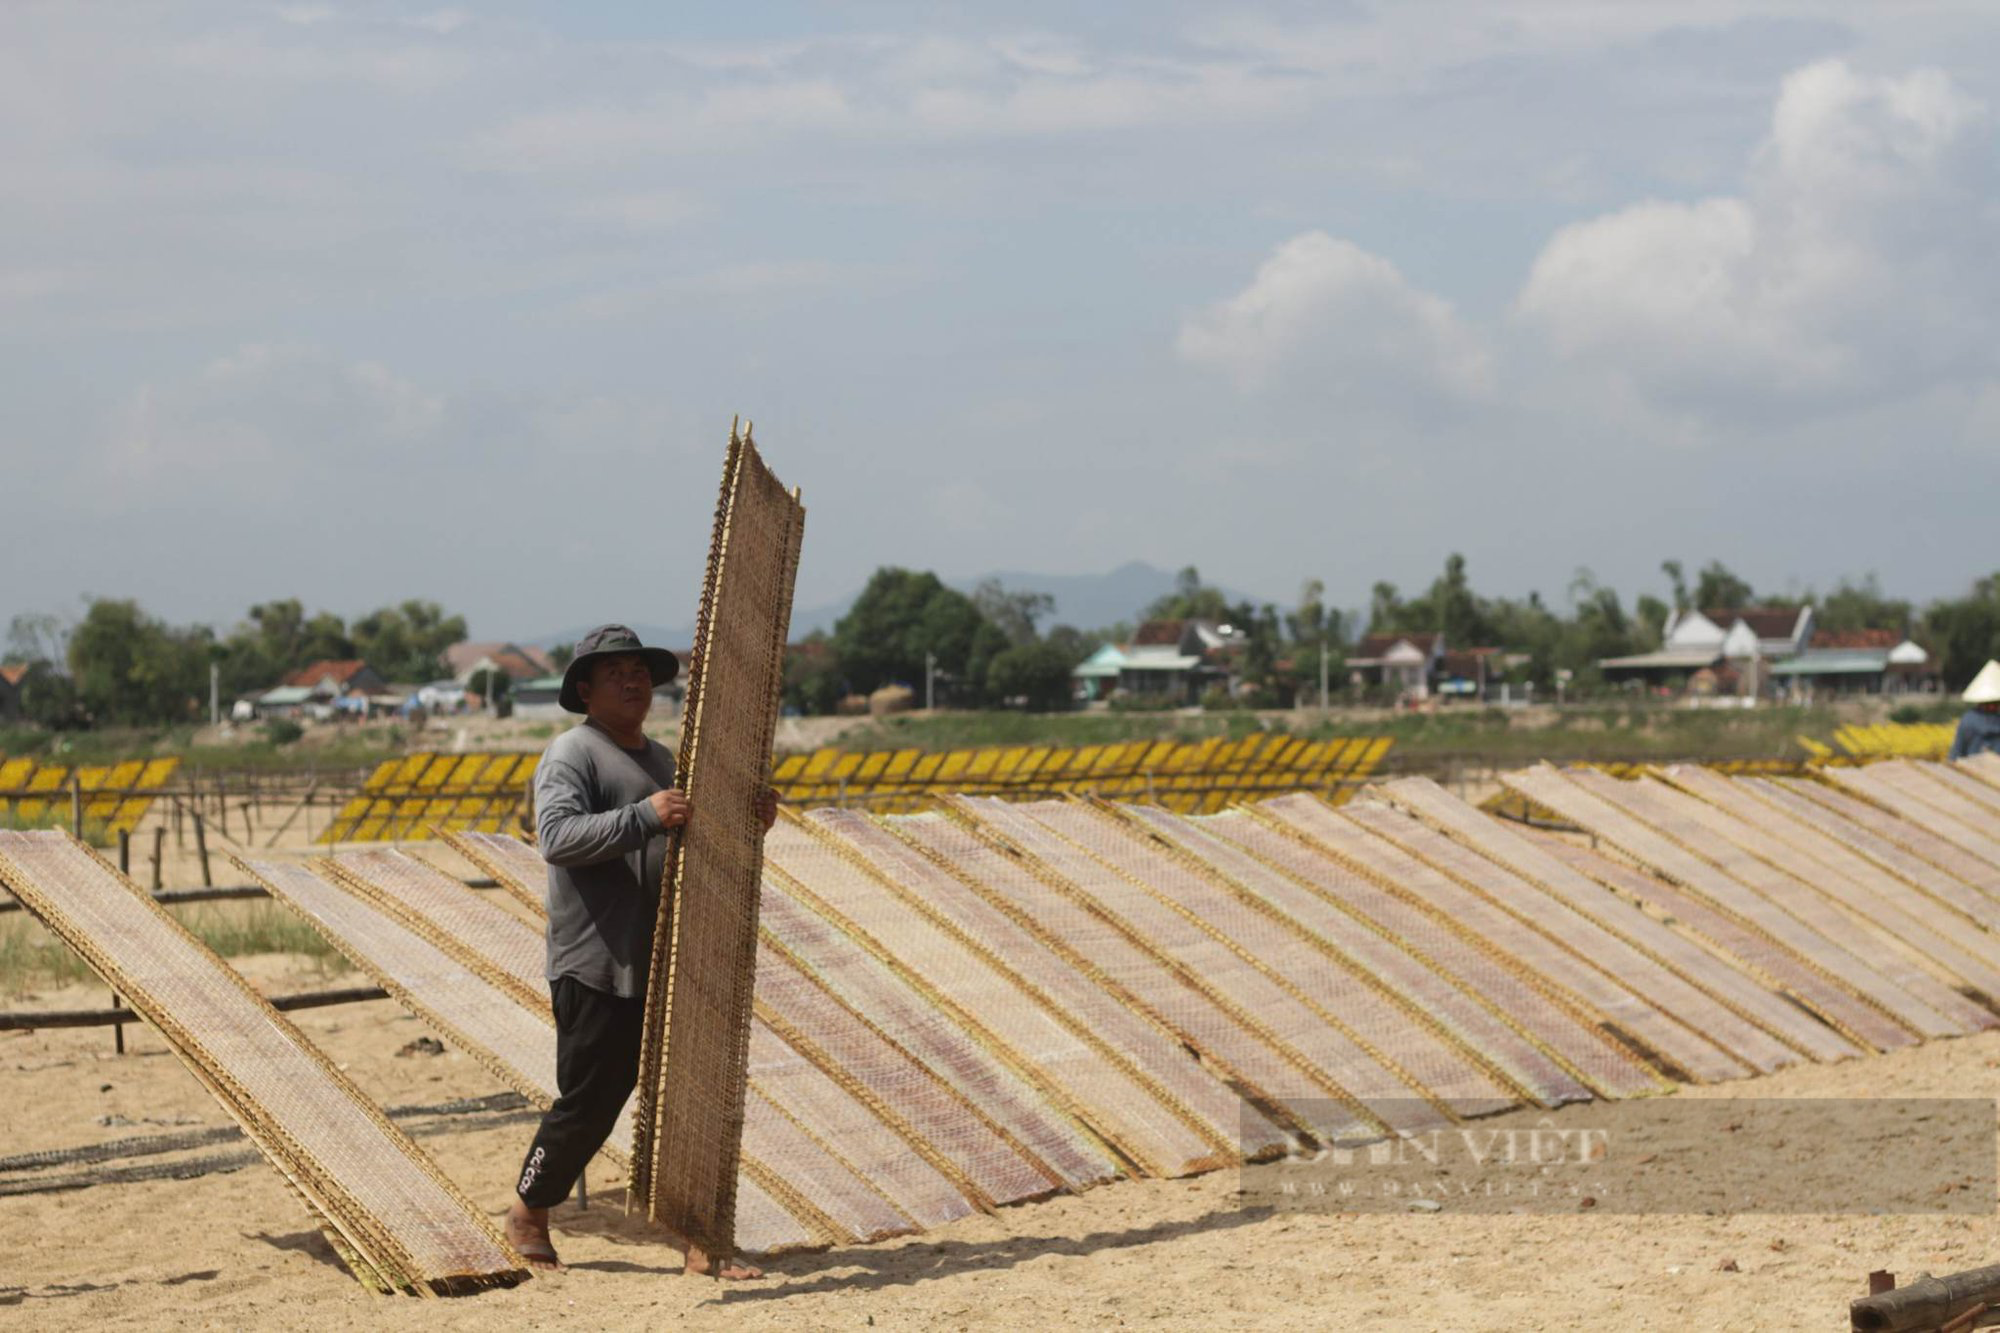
{"points": [[597, 1065]]}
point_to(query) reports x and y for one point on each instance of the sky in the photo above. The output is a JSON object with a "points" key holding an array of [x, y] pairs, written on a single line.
{"points": [[358, 302]]}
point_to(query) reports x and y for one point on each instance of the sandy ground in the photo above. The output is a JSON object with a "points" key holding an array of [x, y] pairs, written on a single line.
{"points": [[234, 1250]]}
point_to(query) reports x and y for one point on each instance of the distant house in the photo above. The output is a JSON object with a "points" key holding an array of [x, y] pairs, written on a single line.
{"points": [[10, 690], [538, 698], [1770, 632], [1718, 650], [1177, 660], [325, 689], [1472, 672], [1867, 661], [438, 696], [284, 701], [541, 697], [333, 679], [1405, 663], [512, 660]]}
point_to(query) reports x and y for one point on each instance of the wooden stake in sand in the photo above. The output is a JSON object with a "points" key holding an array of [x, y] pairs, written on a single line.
{"points": [[693, 1072]]}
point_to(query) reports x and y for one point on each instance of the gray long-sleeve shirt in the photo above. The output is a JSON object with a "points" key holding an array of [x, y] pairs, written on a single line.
{"points": [[1977, 733], [606, 851]]}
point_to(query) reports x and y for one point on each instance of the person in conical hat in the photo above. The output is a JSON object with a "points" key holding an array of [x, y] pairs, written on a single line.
{"points": [[1979, 729]]}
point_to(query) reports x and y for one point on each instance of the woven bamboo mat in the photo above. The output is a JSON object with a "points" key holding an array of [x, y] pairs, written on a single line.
{"points": [[797, 1168], [850, 1129], [1246, 1049], [1522, 1002], [811, 1180], [513, 864], [1931, 931], [935, 1120], [1589, 944], [1346, 939], [693, 1077], [1740, 944], [1153, 1056], [1058, 1052], [1984, 766], [1592, 997], [1892, 857], [516, 1045], [1039, 1128], [1643, 999], [1173, 886], [1679, 816], [945, 1130], [1936, 784], [1352, 1040], [390, 1213], [1702, 878], [1939, 852], [1893, 791], [1524, 863], [495, 943], [1967, 821], [1984, 797]]}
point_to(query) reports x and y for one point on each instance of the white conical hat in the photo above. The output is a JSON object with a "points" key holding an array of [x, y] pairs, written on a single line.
{"points": [[1985, 687]]}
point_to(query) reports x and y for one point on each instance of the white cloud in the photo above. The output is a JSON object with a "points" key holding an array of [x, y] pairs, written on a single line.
{"points": [[1854, 265], [443, 22], [1327, 313], [637, 211], [894, 88], [281, 413]]}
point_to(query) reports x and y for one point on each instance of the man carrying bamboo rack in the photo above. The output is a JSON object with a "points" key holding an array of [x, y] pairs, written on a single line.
{"points": [[604, 802]]}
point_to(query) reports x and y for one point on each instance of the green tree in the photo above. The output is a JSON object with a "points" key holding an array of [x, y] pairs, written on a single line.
{"points": [[813, 682], [1649, 617], [1718, 589], [1074, 644], [1385, 608], [277, 638], [1191, 599], [1601, 628], [130, 668], [1312, 628], [1676, 576], [1852, 606], [407, 642], [1035, 673], [1449, 607], [1965, 633], [902, 615], [1262, 669], [1530, 627], [48, 698], [1314, 622], [36, 637], [1014, 614]]}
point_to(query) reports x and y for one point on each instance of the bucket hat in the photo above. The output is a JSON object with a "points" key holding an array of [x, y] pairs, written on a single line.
{"points": [[607, 641]]}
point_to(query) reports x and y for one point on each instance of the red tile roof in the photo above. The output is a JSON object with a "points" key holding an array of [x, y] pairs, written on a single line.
{"points": [[1159, 633], [520, 661], [339, 672], [13, 675], [1766, 622], [520, 666], [1856, 638]]}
